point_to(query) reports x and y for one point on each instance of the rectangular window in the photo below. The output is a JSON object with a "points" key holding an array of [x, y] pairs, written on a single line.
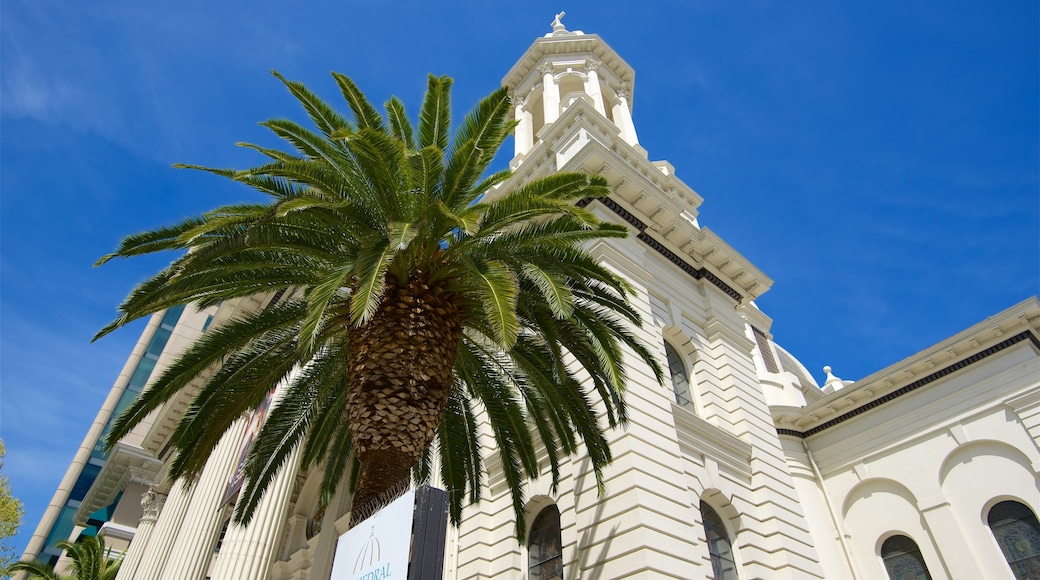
{"points": [[141, 374], [763, 348], [159, 339]]}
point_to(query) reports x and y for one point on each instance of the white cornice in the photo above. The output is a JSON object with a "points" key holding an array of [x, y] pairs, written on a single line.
{"points": [[948, 355], [584, 140], [699, 436], [117, 531], [125, 463], [576, 45]]}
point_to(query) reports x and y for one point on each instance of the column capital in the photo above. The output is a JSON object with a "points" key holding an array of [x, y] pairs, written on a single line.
{"points": [[545, 68], [592, 65], [151, 503]]}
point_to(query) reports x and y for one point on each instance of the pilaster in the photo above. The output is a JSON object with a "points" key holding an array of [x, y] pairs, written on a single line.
{"points": [[524, 133], [248, 551], [957, 553], [1027, 407], [775, 541], [325, 551], [151, 504], [623, 118], [592, 85], [550, 93]]}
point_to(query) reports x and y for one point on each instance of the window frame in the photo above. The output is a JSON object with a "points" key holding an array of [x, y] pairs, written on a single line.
{"points": [[891, 556], [553, 511], [691, 397], [707, 509], [1035, 524]]}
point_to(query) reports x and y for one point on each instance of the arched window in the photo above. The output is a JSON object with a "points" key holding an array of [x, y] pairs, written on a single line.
{"points": [[719, 546], [545, 547], [680, 378], [1018, 533], [903, 559]]}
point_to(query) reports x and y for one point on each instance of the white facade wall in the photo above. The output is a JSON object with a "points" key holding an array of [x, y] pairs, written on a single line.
{"points": [[803, 490], [648, 523], [930, 463]]}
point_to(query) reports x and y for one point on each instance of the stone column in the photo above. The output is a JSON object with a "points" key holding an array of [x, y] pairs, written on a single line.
{"points": [[150, 506], [248, 551], [550, 94], [162, 537], [524, 132], [192, 550], [592, 85], [623, 118]]}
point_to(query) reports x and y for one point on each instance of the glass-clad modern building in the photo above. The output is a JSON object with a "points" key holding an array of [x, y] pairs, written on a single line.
{"points": [[59, 522]]}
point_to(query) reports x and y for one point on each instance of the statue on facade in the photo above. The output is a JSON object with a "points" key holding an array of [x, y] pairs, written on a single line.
{"points": [[150, 503]]}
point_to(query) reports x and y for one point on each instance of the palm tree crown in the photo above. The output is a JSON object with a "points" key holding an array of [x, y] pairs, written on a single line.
{"points": [[88, 560], [411, 293]]}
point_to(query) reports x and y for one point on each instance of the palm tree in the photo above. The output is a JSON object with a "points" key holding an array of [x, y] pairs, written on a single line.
{"points": [[89, 561], [412, 291]]}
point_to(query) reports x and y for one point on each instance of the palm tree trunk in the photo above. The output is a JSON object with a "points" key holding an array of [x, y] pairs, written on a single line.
{"points": [[399, 375]]}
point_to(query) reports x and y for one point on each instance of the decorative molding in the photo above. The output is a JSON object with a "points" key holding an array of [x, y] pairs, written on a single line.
{"points": [[697, 435], [151, 503], [125, 463], [643, 236], [933, 503], [117, 531], [1028, 402], [981, 355]]}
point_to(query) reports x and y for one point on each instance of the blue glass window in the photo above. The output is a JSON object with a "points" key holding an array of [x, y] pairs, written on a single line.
{"points": [[159, 340], [63, 526]]}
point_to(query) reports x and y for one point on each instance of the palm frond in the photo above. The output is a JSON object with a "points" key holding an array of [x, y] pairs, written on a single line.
{"points": [[478, 139], [158, 240], [496, 286], [399, 123], [361, 208], [365, 115], [435, 114], [322, 115], [372, 265]]}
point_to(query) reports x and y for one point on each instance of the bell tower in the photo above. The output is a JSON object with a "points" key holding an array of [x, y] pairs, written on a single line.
{"points": [[564, 67], [697, 449]]}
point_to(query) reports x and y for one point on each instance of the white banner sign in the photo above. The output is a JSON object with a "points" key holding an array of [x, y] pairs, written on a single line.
{"points": [[378, 547]]}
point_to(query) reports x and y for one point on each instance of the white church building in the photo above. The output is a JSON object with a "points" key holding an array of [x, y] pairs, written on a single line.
{"points": [[740, 467]]}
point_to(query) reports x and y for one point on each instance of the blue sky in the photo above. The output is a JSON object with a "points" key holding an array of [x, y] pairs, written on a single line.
{"points": [[878, 160]]}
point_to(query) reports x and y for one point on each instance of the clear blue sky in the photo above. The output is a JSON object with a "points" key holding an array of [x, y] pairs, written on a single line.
{"points": [[878, 160]]}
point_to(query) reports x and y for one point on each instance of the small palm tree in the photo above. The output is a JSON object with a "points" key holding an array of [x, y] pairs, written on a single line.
{"points": [[89, 560], [411, 293]]}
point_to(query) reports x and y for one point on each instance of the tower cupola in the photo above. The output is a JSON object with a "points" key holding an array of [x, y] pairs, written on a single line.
{"points": [[561, 68]]}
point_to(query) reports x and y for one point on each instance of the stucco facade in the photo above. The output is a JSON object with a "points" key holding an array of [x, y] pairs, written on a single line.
{"points": [[740, 448]]}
